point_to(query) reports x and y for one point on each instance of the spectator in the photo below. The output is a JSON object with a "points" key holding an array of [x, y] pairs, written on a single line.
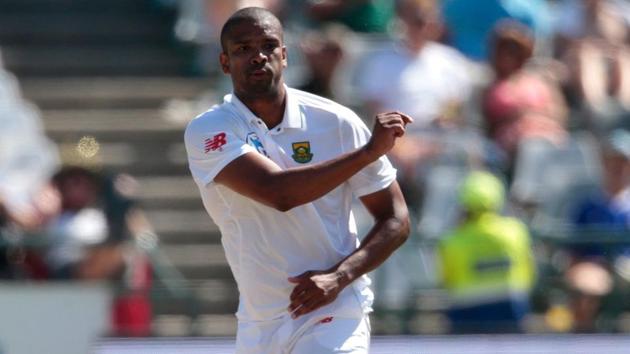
{"points": [[416, 74], [611, 208], [521, 103], [419, 76], [592, 40], [606, 20], [89, 241], [27, 159], [487, 263], [78, 225], [589, 274], [323, 53]]}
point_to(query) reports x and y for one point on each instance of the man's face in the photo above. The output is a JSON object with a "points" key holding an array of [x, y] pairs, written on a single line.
{"points": [[419, 23], [254, 57]]}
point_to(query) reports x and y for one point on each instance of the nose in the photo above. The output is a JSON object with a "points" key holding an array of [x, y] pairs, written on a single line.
{"points": [[259, 58]]}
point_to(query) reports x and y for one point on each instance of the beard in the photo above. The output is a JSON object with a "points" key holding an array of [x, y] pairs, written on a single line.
{"points": [[256, 88]]}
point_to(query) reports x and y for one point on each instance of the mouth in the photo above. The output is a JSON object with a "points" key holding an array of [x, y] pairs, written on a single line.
{"points": [[259, 73]]}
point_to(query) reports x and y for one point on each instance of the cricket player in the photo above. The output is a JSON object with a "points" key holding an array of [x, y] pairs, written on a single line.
{"points": [[277, 170]]}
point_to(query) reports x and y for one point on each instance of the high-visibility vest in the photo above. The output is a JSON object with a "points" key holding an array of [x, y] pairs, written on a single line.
{"points": [[487, 259]]}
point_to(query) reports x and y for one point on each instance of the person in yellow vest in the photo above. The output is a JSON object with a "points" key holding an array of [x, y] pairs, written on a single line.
{"points": [[488, 268]]}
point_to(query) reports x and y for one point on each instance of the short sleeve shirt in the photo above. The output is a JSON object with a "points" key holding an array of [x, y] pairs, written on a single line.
{"points": [[264, 246]]}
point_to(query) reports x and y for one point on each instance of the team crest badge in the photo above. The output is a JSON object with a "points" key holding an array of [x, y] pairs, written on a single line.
{"points": [[302, 152]]}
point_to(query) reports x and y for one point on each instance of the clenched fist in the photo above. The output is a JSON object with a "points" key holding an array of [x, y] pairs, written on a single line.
{"points": [[387, 127]]}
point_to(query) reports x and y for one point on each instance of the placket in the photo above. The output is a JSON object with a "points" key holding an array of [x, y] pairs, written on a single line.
{"points": [[275, 150]]}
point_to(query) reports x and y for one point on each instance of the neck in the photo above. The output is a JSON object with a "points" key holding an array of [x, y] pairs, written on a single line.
{"points": [[475, 216], [505, 75], [415, 46], [268, 108]]}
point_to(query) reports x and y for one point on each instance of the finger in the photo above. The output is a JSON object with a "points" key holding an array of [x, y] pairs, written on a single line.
{"points": [[302, 299], [309, 306], [299, 278], [407, 119], [292, 312], [387, 116], [397, 128], [299, 289], [395, 118], [394, 124], [300, 293]]}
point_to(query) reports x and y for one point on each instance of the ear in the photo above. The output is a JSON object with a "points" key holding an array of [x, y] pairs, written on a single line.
{"points": [[284, 57], [224, 60]]}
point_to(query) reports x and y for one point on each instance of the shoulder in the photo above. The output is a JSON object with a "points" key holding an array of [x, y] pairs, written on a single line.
{"points": [[444, 52], [323, 105], [512, 221], [513, 224], [217, 118], [311, 100]]}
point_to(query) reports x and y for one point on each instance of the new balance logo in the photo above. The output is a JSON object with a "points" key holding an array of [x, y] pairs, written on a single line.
{"points": [[215, 143]]}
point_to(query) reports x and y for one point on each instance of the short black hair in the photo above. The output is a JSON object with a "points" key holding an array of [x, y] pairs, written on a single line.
{"points": [[244, 15]]}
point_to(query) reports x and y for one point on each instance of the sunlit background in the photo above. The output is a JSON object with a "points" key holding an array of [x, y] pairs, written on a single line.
{"points": [[105, 246]]}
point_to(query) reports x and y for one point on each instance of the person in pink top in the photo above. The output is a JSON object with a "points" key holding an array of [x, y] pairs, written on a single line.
{"points": [[520, 103]]}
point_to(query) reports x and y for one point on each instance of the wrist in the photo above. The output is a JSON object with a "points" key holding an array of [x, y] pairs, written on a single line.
{"points": [[368, 154], [343, 278]]}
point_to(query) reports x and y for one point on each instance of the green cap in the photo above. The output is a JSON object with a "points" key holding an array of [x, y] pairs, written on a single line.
{"points": [[481, 191]]}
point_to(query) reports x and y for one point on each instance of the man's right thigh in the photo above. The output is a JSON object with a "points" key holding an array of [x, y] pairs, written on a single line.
{"points": [[336, 336]]}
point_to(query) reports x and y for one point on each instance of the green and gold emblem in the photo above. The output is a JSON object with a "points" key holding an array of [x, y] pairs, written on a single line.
{"points": [[302, 152]]}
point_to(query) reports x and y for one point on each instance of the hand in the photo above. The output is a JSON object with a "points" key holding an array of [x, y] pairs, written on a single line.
{"points": [[314, 289], [387, 127]]}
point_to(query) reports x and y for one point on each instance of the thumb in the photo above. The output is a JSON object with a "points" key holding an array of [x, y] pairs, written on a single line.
{"points": [[299, 278]]}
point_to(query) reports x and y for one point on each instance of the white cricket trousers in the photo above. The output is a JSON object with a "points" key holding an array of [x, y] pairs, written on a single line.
{"points": [[309, 335]]}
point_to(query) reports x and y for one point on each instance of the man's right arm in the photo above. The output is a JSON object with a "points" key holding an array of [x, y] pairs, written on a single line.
{"points": [[259, 178]]}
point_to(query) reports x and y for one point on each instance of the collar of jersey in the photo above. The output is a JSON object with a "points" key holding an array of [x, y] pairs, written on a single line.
{"points": [[292, 116]]}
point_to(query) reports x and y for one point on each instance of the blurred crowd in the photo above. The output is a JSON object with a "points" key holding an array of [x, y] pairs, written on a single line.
{"points": [[521, 136], [62, 221]]}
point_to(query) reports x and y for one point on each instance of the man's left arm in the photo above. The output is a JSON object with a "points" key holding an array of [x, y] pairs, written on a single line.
{"points": [[317, 288]]}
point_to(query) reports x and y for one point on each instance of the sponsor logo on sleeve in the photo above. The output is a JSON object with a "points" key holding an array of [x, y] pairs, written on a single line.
{"points": [[302, 152], [215, 143], [254, 141]]}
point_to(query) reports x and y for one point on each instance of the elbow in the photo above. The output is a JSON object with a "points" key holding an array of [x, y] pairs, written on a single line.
{"points": [[282, 206], [402, 229], [282, 203], [400, 213], [274, 197]]}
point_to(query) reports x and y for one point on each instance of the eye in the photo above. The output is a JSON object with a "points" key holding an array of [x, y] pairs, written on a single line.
{"points": [[270, 46], [241, 49]]}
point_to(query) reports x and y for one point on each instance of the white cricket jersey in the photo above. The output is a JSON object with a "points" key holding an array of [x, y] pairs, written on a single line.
{"points": [[264, 246]]}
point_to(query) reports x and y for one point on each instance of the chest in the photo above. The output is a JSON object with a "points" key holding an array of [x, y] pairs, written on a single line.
{"points": [[292, 147]]}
